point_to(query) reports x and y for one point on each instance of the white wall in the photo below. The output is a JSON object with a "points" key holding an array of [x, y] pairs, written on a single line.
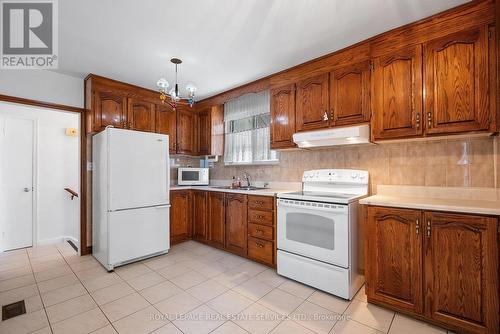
{"points": [[42, 85], [58, 167]]}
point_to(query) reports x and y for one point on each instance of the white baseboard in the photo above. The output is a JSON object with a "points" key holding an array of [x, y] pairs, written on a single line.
{"points": [[57, 240]]}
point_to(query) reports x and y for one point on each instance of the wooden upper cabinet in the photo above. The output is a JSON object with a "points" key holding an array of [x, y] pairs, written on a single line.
{"points": [[180, 215], [312, 105], [236, 223], [186, 140], [461, 271], [394, 263], [141, 115], [216, 218], [397, 95], [203, 137], [166, 123], [200, 219], [350, 94], [109, 109], [456, 82], [283, 117]]}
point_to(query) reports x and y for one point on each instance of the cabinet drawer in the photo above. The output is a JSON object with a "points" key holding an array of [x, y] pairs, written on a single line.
{"points": [[260, 217], [261, 250], [261, 202], [260, 231]]}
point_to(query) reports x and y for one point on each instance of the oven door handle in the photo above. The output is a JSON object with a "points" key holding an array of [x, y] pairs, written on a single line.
{"points": [[325, 207]]}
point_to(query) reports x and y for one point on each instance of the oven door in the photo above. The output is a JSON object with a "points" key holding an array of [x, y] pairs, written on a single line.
{"points": [[316, 230]]}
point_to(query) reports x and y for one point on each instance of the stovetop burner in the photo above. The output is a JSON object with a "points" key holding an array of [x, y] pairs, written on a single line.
{"points": [[331, 186]]}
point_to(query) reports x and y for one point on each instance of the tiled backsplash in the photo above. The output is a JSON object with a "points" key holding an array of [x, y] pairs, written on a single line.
{"points": [[471, 162]]}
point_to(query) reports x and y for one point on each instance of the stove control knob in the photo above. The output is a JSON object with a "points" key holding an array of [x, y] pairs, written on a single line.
{"points": [[354, 175]]}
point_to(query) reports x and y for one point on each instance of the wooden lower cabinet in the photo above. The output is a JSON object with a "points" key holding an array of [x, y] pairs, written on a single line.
{"points": [[461, 271], [200, 217], [394, 257], [239, 223], [216, 219], [442, 267], [180, 216], [261, 230], [236, 223]]}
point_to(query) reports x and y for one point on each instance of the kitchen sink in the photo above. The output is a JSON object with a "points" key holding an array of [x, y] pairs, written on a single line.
{"points": [[240, 188]]}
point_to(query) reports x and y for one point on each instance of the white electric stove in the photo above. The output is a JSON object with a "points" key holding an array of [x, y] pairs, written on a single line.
{"points": [[317, 231]]}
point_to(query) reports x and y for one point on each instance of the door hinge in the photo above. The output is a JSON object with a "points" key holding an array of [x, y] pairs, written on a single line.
{"points": [[372, 66], [489, 35], [417, 226], [428, 228]]}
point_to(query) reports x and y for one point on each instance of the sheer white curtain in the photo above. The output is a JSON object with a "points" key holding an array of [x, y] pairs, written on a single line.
{"points": [[247, 137]]}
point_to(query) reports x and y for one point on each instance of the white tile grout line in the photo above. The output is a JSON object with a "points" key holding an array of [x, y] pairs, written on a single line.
{"points": [[40, 294], [203, 302]]}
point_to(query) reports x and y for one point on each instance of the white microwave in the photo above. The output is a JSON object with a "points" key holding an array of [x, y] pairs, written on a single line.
{"points": [[189, 176]]}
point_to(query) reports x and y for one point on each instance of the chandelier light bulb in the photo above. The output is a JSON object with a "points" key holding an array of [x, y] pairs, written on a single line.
{"points": [[191, 87], [163, 84]]}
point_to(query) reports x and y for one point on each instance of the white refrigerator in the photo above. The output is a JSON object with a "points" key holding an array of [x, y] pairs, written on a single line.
{"points": [[130, 196]]}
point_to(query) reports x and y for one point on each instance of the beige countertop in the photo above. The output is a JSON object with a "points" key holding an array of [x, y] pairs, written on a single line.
{"points": [[466, 200], [261, 192]]}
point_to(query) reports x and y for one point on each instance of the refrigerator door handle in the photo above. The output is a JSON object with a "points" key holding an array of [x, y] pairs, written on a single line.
{"points": [[162, 206]]}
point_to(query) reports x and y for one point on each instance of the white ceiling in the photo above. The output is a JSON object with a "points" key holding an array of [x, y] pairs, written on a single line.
{"points": [[223, 43]]}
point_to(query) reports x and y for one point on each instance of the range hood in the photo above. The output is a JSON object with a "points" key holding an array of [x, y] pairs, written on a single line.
{"points": [[352, 135]]}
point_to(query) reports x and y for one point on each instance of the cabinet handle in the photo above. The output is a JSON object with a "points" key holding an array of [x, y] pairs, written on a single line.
{"points": [[325, 116], [259, 231], [259, 245], [331, 113], [259, 202], [417, 226], [418, 120], [429, 119], [260, 217], [428, 229]]}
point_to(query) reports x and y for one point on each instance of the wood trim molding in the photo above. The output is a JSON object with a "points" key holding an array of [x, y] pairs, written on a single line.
{"points": [[42, 104], [497, 60], [83, 158]]}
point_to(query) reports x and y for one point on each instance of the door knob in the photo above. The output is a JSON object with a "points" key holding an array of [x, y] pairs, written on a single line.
{"points": [[26, 190]]}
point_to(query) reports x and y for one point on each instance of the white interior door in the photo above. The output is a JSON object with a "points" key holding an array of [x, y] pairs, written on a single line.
{"points": [[16, 182], [138, 169]]}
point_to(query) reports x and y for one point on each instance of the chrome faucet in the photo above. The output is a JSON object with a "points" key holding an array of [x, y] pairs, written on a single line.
{"points": [[246, 177]]}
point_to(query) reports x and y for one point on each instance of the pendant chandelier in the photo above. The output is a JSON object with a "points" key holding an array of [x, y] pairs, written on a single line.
{"points": [[173, 96]]}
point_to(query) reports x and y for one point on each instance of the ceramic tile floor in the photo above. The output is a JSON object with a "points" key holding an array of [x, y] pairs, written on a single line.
{"points": [[193, 289]]}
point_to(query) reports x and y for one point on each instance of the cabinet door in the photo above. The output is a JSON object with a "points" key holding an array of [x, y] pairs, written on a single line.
{"points": [[236, 223], [180, 215], [312, 103], [394, 258], [216, 218], [283, 117], [456, 83], [200, 202], [204, 132], [397, 95], [109, 109], [166, 123], [461, 271], [185, 131], [350, 94], [141, 115]]}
